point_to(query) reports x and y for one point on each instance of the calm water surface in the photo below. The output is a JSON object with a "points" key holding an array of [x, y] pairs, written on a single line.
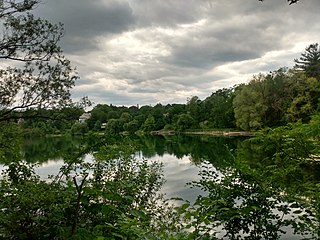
{"points": [[182, 157]]}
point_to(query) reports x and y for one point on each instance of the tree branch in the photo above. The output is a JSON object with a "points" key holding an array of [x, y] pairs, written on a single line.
{"points": [[79, 195]]}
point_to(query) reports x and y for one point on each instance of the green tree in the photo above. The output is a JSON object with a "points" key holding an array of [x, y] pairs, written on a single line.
{"points": [[275, 99], [131, 126], [149, 124], [158, 112], [193, 107], [125, 117], [140, 119], [113, 114], [250, 104], [98, 113], [272, 185], [79, 128], [277, 96], [173, 111], [309, 62], [10, 140], [38, 75], [185, 121], [114, 127], [218, 109], [305, 93]]}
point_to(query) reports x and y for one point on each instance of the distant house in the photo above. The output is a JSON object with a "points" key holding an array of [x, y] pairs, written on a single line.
{"points": [[84, 117]]}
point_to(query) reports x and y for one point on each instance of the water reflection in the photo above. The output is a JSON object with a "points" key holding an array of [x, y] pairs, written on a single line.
{"points": [[177, 173], [216, 150], [42, 150], [196, 148], [182, 157]]}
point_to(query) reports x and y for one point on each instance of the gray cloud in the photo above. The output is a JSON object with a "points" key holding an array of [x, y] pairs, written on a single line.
{"points": [[132, 52], [98, 94], [83, 81], [84, 20], [166, 13], [145, 90]]}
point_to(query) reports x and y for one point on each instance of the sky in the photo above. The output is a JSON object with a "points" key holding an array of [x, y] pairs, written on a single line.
{"points": [[130, 52]]}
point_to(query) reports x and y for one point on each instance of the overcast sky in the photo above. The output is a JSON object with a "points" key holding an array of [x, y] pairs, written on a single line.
{"points": [[130, 52]]}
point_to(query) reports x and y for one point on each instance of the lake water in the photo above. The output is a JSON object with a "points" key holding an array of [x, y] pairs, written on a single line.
{"points": [[182, 157]]}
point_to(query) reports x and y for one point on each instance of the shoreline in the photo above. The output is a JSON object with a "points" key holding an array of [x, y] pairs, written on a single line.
{"points": [[213, 133]]}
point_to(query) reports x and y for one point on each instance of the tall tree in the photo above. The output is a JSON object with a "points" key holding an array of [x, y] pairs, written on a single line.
{"points": [[305, 94], [309, 62], [250, 104], [185, 121], [277, 96], [218, 109], [34, 72], [149, 123], [193, 107]]}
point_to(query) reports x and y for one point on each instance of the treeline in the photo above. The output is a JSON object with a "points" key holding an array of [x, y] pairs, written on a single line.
{"points": [[267, 100], [48, 121]]}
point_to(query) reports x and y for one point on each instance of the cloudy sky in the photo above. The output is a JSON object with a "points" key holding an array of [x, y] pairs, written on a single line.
{"points": [[130, 52]]}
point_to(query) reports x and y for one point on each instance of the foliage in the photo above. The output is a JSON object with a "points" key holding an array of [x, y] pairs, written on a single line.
{"points": [[309, 62], [273, 185], [241, 204], [113, 127], [31, 208], [218, 109], [113, 196], [278, 96], [305, 100], [256, 194], [158, 112], [274, 99], [250, 104], [38, 75], [193, 108], [79, 128], [149, 123], [9, 143], [98, 114], [185, 121], [131, 126]]}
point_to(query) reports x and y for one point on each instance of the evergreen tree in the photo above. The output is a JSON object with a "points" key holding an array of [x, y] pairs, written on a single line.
{"points": [[309, 62]]}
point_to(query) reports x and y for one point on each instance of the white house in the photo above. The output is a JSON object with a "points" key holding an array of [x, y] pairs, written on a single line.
{"points": [[84, 117]]}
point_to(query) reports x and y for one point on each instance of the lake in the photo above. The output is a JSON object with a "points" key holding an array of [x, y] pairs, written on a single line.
{"points": [[182, 157]]}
